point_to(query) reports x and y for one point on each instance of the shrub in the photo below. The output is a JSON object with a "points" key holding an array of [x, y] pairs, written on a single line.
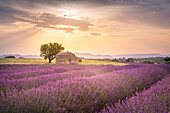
{"points": [[168, 62], [115, 60], [148, 62], [80, 60], [167, 59], [10, 57], [130, 60]]}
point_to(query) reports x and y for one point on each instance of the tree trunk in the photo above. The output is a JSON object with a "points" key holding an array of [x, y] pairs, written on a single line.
{"points": [[49, 61]]}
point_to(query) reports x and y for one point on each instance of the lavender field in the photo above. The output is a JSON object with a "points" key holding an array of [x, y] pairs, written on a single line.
{"points": [[52, 88]]}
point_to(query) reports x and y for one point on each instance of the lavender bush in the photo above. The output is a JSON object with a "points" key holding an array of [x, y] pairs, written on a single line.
{"points": [[153, 100], [73, 88]]}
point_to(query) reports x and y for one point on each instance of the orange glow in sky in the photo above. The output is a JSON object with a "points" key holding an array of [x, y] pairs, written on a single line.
{"points": [[98, 27]]}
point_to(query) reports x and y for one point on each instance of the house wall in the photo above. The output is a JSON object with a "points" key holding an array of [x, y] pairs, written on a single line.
{"points": [[66, 59]]}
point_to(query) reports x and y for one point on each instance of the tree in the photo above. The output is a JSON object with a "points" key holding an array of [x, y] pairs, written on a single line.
{"points": [[167, 59], [130, 60], [48, 51], [167, 62]]}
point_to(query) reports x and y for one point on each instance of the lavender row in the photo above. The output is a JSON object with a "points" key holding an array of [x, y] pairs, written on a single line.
{"points": [[9, 69], [153, 100], [34, 69], [85, 94], [26, 83], [12, 68], [32, 73], [118, 86], [27, 72], [146, 74]]}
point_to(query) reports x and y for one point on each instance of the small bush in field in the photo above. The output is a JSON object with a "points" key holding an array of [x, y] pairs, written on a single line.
{"points": [[80, 60]]}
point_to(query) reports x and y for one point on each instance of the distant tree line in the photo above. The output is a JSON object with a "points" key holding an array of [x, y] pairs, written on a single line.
{"points": [[151, 60], [10, 57]]}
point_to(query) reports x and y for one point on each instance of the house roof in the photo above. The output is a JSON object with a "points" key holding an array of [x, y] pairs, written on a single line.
{"points": [[65, 54]]}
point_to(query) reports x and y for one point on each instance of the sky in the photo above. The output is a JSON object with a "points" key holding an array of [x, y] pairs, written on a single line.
{"points": [[86, 26]]}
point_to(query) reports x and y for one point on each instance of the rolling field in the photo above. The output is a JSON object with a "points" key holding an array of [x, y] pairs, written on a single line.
{"points": [[42, 61], [96, 62], [23, 61], [52, 88]]}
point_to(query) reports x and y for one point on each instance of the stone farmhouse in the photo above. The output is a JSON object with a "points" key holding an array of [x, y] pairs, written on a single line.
{"points": [[66, 58]]}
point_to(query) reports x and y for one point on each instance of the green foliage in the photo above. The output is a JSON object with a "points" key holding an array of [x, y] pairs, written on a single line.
{"points": [[115, 60], [167, 62], [130, 60], [167, 59], [10, 57], [148, 62], [80, 60], [48, 51]]}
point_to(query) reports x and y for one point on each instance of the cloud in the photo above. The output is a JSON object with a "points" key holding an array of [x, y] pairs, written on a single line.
{"points": [[10, 15], [151, 12], [7, 15], [154, 13], [35, 3], [48, 20], [96, 34], [65, 29]]}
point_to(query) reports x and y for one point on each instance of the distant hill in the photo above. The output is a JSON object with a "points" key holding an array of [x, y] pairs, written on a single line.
{"points": [[92, 56], [140, 55], [18, 55]]}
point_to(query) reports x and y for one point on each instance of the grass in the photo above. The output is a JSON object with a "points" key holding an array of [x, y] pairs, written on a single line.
{"points": [[42, 61], [96, 62], [23, 61]]}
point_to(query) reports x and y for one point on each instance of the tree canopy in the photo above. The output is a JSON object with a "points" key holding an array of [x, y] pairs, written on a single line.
{"points": [[167, 59], [48, 51]]}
